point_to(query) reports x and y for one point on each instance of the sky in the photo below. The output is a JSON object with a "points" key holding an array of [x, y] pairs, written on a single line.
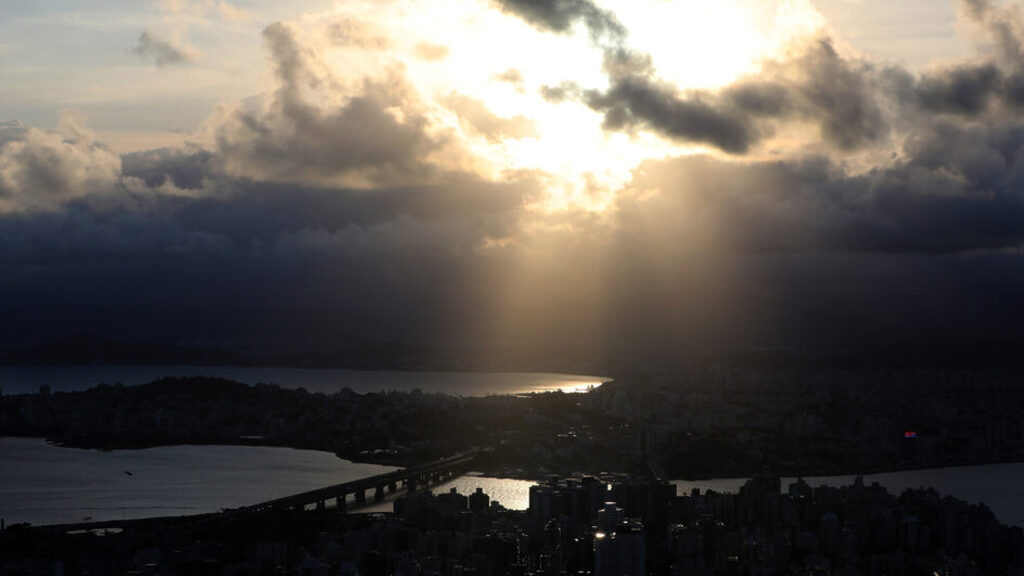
{"points": [[610, 175]]}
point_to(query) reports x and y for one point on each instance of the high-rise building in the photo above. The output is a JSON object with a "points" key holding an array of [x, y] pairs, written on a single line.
{"points": [[620, 548], [479, 500]]}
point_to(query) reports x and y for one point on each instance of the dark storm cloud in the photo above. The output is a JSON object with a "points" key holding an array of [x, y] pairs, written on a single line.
{"points": [[237, 259], [818, 86], [245, 218], [960, 190], [637, 101], [962, 89], [957, 187], [924, 249], [839, 95], [258, 214], [159, 52], [635, 98], [88, 232], [561, 15], [853, 103], [1014, 89]]}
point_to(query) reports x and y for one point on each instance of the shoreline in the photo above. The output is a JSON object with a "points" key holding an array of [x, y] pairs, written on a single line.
{"points": [[276, 375], [520, 474]]}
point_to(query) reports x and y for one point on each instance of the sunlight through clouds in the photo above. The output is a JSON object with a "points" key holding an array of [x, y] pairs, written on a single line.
{"points": [[475, 43]]}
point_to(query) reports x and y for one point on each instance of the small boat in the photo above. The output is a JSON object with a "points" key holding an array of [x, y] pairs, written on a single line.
{"points": [[127, 473]]}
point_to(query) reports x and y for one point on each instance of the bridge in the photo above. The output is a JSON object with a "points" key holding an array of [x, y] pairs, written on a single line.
{"points": [[408, 478]]}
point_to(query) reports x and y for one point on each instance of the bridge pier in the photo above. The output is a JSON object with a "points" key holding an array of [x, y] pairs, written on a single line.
{"points": [[410, 478]]}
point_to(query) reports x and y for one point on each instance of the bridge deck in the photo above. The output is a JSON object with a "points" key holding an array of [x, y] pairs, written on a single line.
{"points": [[340, 490]]}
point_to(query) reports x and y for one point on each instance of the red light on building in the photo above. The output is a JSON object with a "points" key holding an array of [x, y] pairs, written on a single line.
{"points": [[910, 434]]}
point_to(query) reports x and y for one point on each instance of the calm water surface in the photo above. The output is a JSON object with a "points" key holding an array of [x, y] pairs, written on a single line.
{"points": [[44, 484], [28, 379], [512, 494]]}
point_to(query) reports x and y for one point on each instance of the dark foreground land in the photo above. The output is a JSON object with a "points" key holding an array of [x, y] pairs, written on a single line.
{"points": [[568, 529], [701, 422]]}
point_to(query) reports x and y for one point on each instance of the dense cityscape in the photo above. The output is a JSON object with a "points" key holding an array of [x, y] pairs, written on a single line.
{"points": [[709, 420], [583, 525]]}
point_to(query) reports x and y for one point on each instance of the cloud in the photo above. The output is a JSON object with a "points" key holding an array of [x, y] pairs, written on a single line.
{"points": [[977, 10], [957, 191], [12, 130], [1002, 25], [194, 249], [41, 170], [974, 88], [815, 85], [804, 252], [853, 103], [160, 52], [561, 92], [511, 76], [431, 52], [348, 211], [475, 115], [361, 142], [634, 100], [186, 168], [560, 16], [962, 89], [358, 34]]}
